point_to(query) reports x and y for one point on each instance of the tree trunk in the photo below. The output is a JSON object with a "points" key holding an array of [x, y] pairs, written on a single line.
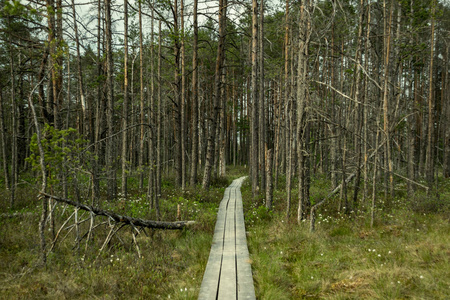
{"points": [[302, 103], [3, 143], [358, 108], [159, 118], [446, 92], [261, 99], [254, 96], [386, 125], [85, 118], [152, 192], [183, 101], [14, 154], [287, 114], [269, 186], [212, 136], [110, 157], [178, 106], [195, 139], [429, 172], [124, 189], [221, 130]]}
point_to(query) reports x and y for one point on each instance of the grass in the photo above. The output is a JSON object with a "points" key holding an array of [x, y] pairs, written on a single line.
{"points": [[171, 265], [404, 256]]}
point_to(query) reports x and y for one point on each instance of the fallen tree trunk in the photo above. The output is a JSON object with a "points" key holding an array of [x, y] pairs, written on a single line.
{"points": [[123, 219]]}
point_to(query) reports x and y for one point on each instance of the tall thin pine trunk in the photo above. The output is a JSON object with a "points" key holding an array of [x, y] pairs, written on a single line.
{"points": [[254, 168], [159, 119], [142, 105], [446, 120], [110, 157], [3, 143], [212, 136], [302, 106], [261, 99], [183, 101], [287, 114], [85, 117], [429, 172], [195, 139], [14, 154], [386, 129], [152, 190], [125, 104]]}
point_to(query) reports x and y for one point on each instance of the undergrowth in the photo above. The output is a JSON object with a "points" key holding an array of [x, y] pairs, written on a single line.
{"points": [[167, 264], [405, 255]]}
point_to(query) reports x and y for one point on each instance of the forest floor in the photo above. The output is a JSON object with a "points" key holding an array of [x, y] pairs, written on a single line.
{"points": [[404, 255]]}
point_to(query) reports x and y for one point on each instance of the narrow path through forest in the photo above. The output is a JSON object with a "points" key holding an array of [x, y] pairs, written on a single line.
{"points": [[228, 274]]}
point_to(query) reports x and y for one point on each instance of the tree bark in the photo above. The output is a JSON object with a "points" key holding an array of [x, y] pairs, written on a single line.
{"points": [[110, 160], [3, 143], [195, 138], [152, 193], [446, 91], [386, 125], [254, 96], [124, 189], [159, 118], [302, 105], [269, 186], [183, 101], [212, 136], [261, 99], [85, 118], [429, 172]]}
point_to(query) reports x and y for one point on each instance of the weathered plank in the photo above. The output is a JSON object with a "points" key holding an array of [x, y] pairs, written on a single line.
{"points": [[228, 273]]}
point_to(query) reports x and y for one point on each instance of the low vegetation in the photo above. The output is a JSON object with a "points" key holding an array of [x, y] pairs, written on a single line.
{"points": [[171, 263], [404, 255]]}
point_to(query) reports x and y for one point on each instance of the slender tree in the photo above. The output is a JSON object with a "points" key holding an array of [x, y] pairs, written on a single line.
{"points": [[261, 99], [124, 189], [110, 156], [195, 137], [254, 168], [430, 143], [212, 136], [302, 106]]}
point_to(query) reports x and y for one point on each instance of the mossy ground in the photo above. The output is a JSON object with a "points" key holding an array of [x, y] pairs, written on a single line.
{"points": [[404, 256]]}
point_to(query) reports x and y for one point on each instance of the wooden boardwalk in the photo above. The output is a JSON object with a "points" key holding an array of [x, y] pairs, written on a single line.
{"points": [[228, 274]]}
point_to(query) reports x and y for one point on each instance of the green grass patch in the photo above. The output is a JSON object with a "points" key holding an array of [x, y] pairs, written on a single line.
{"points": [[404, 256], [172, 263]]}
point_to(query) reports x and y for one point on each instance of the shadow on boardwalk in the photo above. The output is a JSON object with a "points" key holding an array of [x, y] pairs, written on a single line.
{"points": [[228, 274]]}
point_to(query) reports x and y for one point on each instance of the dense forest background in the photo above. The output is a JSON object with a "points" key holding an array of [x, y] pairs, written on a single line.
{"points": [[97, 94], [121, 118]]}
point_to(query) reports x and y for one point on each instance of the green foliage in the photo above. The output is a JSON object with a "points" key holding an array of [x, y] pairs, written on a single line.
{"points": [[64, 151], [12, 8]]}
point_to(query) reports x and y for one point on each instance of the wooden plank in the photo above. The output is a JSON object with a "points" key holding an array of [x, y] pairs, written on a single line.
{"points": [[228, 272], [211, 277], [227, 284], [245, 285]]}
